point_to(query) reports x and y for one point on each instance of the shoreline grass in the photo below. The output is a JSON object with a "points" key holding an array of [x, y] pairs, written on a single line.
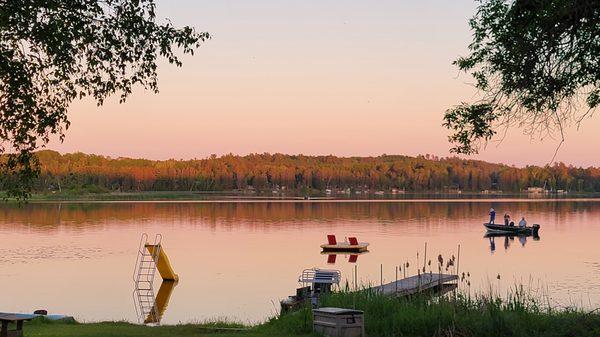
{"points": [[454, 314]]}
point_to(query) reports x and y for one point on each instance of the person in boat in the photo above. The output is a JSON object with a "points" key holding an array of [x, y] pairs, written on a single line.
{"points": [[523, 222], [492, 216], [506, 219]]}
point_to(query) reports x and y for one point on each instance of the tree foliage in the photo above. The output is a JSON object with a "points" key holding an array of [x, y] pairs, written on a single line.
{"points": [[55, 51], [78, 172], [536, 64]]}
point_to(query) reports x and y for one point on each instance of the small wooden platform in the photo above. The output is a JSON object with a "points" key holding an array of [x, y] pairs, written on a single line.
{"points": [[18, 319], [415, 284]]}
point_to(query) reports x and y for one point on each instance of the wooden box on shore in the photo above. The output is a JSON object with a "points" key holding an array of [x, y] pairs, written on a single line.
{"points": [[338, 322]]}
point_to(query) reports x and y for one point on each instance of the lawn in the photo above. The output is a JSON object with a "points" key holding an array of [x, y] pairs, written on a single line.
{"points": [[452, 315]]}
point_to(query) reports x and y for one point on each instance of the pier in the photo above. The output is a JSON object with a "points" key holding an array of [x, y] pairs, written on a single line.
{"points": [[417, 284]]}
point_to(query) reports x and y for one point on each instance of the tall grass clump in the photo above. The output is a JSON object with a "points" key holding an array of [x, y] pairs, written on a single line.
{"points": [[464, 315]]}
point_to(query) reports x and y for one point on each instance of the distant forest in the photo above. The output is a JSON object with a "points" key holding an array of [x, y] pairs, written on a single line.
{"points": [[302, 174]]}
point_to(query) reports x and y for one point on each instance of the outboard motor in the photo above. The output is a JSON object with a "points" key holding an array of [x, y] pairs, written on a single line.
{"points": [[536, 229]]}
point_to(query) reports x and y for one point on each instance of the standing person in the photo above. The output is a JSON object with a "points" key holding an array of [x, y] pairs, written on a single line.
{"points": [[506, 219], [523, 222], [492, 215]]}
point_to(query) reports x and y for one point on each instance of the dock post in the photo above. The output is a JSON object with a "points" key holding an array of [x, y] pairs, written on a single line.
{"points": [[425, 258], [355, 277], [396, 281], [458, 261]]}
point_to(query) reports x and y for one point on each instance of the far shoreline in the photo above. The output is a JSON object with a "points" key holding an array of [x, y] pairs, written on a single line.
{"points": [[230, 197]]}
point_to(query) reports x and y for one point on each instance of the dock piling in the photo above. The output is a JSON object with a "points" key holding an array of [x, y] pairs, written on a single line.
{"points": [[396, 279]]}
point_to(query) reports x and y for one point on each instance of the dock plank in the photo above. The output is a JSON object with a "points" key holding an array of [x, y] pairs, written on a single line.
{"points": [[15, 317], [415, 284]]}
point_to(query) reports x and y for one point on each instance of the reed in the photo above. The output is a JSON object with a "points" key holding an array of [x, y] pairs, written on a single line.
{"points": [[462, 314]]}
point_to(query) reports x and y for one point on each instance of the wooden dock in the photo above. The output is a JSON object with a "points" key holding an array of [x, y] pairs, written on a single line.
{"points": [[416, 284]]}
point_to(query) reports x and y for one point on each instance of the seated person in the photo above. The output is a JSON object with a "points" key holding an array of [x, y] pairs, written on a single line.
{"points": [[523, 222]]}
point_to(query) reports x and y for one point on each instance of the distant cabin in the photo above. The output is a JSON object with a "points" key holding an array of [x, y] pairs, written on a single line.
{"points": [[535, 190]]}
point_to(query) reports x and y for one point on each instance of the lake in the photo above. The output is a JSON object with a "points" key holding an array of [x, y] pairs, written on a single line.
{"points": [[236, 260]]}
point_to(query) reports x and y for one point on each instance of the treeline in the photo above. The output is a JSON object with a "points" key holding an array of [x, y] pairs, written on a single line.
{"points": [[78, 171]]}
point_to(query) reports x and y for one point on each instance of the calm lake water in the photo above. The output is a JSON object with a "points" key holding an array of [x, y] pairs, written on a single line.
{"points": [[236, 260]]}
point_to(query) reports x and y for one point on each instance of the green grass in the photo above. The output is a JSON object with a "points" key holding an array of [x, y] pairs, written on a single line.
{"points": [[122, 329], [459, 315], [452, 315], [123, 196]]}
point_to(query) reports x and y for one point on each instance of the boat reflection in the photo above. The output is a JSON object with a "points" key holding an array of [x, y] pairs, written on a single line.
{"points": [[509, 239], [352, 257]]}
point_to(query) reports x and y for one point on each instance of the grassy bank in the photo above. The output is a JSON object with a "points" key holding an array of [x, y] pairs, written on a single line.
{"points": [[448, 316], [297, 324], [41, 328], [457, 315]]}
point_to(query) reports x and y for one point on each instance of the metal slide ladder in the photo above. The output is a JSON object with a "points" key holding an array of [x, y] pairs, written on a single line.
{"points": [[143, 276]]}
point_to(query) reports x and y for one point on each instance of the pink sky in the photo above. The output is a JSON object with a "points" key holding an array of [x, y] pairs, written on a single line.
{"points": [[313, 77]]}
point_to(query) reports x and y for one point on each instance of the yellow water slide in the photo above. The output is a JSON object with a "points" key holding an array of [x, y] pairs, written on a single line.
{"points": [[163, 265]]}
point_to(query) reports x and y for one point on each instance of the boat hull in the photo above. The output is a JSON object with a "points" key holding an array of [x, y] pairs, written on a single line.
{"points": [[494, 228], [345, 247]]}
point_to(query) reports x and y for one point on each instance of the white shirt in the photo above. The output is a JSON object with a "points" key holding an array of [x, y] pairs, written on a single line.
{"points": [[522, 223]]}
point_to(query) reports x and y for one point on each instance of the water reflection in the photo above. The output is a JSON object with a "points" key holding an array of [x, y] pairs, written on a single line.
{"points": [[508, 239], [149, 308], [350, 257], [84, 216], [217, 247]]}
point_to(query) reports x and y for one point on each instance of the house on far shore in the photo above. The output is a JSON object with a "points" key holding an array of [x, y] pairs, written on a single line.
{"points": [[536, 190], [452, 189]]}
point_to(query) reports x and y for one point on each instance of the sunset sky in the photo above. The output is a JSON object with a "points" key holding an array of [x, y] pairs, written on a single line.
{"points": [[314, 77]]}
